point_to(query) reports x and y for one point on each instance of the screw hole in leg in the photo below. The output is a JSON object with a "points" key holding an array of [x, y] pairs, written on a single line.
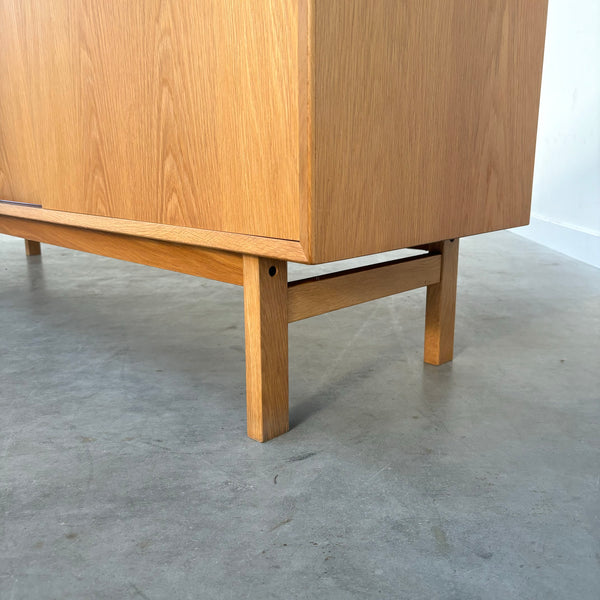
{"points": [[272, 271]]}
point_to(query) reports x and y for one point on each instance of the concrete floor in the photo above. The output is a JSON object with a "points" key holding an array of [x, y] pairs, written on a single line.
{"points": [[125, 471]]}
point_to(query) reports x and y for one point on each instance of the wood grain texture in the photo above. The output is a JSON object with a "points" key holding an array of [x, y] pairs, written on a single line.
{"points": [[234, 242], [425, 119], [160, 111], [38, 128], [306, 121], [32, 248], [212, 264], [349, 126], [318, 295], [266, 325], [441, 306]]}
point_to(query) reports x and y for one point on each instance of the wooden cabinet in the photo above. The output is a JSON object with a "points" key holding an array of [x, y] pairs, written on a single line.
{"points": [[302, 130]]}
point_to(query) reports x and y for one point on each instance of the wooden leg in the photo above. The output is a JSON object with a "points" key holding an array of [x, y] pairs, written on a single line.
{"points": [[265, 311], [32, 248], [441, 307]]}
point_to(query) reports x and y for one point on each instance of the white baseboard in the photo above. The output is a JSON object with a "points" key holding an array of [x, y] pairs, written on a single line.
{"points": [[577, 242]]}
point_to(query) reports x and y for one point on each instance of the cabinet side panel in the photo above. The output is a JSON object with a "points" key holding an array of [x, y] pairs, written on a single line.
{"points": [[163, 111], [425, 120]]}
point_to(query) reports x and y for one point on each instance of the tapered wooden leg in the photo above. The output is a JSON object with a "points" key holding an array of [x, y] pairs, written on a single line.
{"points": [[441, 306], [32, 248], [266, 324]]}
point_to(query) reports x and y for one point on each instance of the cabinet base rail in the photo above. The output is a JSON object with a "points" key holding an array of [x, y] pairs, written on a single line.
{"points": [[271, 302]]}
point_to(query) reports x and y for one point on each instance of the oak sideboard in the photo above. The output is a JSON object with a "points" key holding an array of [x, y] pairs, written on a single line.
{"points": [[224, 138]]}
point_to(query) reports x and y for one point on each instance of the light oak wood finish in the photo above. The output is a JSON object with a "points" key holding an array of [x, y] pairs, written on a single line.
{"points": [[161, 111], [351, 126], [202, 262], [32, 248], [266, 325], [223, 137], [326, 293], [425, 120], [306, 118], [234, 242], [441, 306]]}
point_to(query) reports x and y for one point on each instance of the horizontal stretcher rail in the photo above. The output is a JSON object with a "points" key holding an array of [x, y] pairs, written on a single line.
{"points": [[192, 260], [326, 293]]}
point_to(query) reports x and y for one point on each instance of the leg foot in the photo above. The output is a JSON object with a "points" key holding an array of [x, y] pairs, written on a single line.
{"points": [[32, 248], [441, 307], [266, 325]]}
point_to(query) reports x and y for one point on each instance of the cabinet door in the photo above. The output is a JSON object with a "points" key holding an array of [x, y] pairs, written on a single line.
{"points": [[164, 111]]}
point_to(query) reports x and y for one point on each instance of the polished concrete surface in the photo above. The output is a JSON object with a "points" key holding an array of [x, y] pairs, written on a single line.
{"points": [[125, 471]]}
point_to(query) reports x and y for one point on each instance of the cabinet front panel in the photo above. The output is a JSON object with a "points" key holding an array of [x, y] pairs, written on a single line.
{"points": [[166, 111]]}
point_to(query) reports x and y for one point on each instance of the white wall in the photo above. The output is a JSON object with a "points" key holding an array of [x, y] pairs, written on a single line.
{"points": [[566, 190]]}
